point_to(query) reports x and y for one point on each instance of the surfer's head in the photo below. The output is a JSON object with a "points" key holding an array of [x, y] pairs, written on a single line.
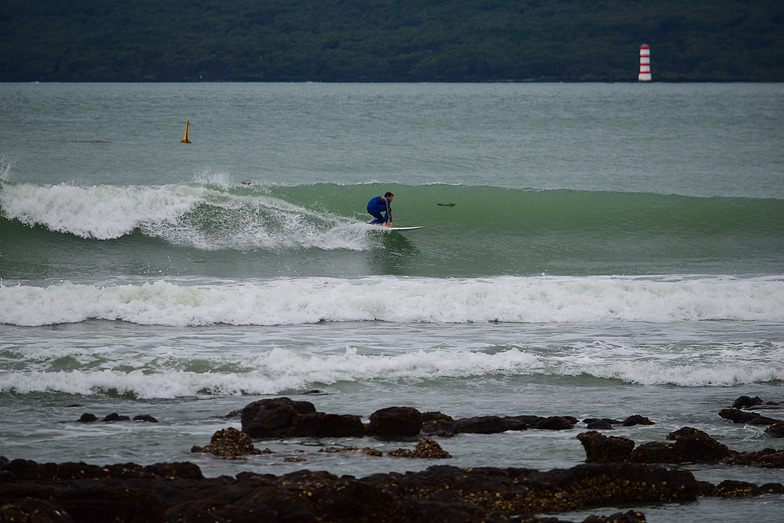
{"points": [[389, 195]]}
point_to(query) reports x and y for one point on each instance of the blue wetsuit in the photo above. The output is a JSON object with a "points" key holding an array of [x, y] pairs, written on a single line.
{"points": [[378, 205]]}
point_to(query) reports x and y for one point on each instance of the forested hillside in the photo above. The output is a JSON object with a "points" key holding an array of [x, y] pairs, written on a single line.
{"points": [[389, 40]]}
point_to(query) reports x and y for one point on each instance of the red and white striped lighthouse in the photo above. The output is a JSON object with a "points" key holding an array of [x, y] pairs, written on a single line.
{"points": [[645, 63]]}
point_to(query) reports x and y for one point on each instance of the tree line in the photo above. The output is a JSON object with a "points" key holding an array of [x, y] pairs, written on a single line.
{"points": [[390, 40]]}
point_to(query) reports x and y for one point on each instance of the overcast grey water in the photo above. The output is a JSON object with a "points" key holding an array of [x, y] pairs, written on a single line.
{"points": [[591, 250]]}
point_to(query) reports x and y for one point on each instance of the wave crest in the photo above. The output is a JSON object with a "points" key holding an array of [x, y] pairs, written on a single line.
{"points": [[401, 300]]}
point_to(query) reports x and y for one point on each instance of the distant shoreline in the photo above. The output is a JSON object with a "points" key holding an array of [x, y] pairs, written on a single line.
{"points": [[423, 40]]}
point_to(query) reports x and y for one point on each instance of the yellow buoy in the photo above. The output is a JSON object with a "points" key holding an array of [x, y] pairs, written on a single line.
{"points": [[185, 138]]}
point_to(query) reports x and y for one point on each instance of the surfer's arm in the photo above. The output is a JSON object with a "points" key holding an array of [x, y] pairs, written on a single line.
{"points": [[389, 212]]}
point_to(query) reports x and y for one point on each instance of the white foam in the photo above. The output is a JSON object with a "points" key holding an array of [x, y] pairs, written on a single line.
{"points": [[102, 212], [220, 178], [204, 215], [400, 300], [146, 376], [711, 364], [150, 373]]}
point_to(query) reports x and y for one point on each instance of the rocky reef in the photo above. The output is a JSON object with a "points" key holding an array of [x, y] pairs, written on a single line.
{"points": [[178, 492], [616, 472], [284, 417], [690, 446]]}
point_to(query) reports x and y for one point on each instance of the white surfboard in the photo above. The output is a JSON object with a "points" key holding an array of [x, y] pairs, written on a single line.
{"points": [[381, 227]]}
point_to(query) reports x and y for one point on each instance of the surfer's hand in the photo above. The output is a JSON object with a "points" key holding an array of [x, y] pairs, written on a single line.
{"points": [[388, 224]]}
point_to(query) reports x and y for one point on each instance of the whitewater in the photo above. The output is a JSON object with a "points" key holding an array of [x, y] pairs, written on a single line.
{"points": [[400, 300]]}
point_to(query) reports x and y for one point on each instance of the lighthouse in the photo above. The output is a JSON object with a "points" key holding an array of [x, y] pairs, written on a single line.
{"points": [[645, 63]]}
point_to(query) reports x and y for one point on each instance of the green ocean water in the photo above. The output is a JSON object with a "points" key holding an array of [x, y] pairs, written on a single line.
{"points": [[594, 250], [311, 230]]}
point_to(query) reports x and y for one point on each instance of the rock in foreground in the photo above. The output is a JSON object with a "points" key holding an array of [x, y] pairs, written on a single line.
{"points": [[178, 492]]}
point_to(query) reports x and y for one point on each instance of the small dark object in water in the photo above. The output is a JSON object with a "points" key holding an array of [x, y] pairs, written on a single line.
{"points": [[450, 204], [145, 418]]}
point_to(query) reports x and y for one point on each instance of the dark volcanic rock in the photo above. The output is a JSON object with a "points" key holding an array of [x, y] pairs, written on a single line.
{"points": [[425, 449], [748, 418], [34, 511], [602, 449], [516, 491], [368, 451], [179, 470], [438, 424], [636, 420], [88, 418], [446, 426], [631, 516], [776, 430], [178, 492], [744, 402], [555, 423], [600, 424], [691, 446], [768, 458], [611, 483], [111, 502], [116, 417], [395, 422], [282, 417], [656, 452], [432, 416], [272, 418], [697, 446], [526, 419], [429, 449], [519, 422], [606, 420], [229, 443], [481, 425], [23, 470], [27, 470], [320, 425], [146, 418], [736, 489], [772, 488]]}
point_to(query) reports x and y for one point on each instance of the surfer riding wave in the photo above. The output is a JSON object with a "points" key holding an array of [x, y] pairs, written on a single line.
{"points": [[380, 204]]}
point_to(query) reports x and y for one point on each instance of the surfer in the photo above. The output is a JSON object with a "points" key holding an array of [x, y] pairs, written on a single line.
{"points": [[378, 205]]}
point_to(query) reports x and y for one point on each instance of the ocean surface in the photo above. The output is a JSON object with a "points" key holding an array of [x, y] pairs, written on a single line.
{"points": [[591, 250]]}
